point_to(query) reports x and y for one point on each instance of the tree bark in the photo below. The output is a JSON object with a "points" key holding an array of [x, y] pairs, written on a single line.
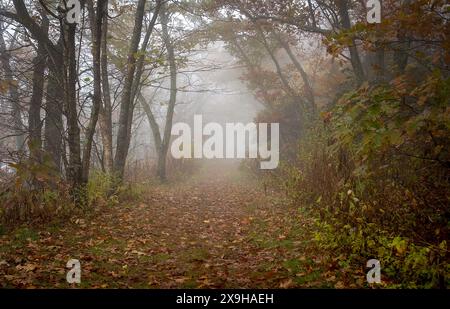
{"points": [[152, 121], [74, 172], [140, 61], [253, 70], [404, 43], [125, 119], [54, 97], [14, 97], [53, 127], [34, 112], [105, 119], [63, 74], [308, 88], [275, 61], [161, 168], [96, 20], [354, 55]]}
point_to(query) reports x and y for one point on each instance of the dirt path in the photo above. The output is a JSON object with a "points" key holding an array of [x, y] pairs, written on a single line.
{"points": [[219, 231]]}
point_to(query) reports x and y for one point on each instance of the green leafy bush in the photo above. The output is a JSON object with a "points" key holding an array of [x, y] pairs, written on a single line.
{"points": [[375, 177]]}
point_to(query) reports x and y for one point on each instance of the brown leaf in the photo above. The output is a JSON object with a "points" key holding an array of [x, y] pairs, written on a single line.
{"points": [[286, 284], [27, 267]]}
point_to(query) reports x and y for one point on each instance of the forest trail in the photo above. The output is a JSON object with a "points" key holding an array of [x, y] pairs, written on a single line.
{"points": [[217, 230]]}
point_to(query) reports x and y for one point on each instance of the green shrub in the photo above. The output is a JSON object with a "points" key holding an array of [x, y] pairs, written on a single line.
{"points": [[99, 189]]}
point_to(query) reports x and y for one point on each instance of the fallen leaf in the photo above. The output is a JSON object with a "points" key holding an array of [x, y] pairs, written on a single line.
{"points": [[286, 284]]}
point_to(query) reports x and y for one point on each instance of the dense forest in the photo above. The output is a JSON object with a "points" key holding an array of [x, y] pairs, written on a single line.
{"points": [[92, 93]]}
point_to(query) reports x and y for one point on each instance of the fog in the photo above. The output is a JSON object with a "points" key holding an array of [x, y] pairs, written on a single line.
{"points": [[209, 85]]}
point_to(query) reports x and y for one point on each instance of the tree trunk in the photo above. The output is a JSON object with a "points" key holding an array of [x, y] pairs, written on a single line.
{"points": [[296, 99], [34, 112], [106, 109], [288, 89], [155, 131], [96, 19], [308, 89], [17, 124], [403, 45], [380, 67], [53, 120], [74, 172], [140, 61], [354, 55], [125, 119], [161, 169], [152, 121], [253, 70]]}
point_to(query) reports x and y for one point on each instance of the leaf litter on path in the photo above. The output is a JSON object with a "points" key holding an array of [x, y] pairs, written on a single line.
{"points": [[200, 234]]}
